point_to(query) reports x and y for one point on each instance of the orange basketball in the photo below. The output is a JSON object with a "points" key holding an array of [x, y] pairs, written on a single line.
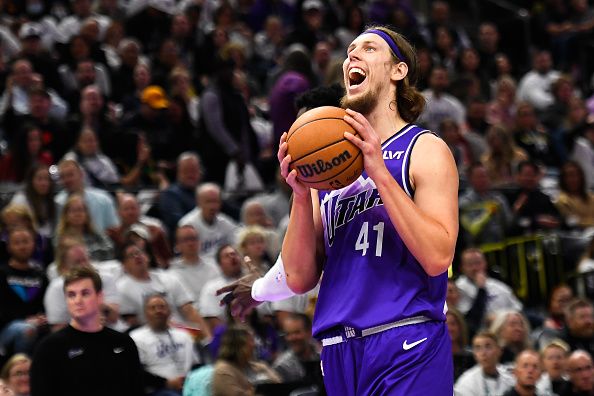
{"points": [[323, 158]]}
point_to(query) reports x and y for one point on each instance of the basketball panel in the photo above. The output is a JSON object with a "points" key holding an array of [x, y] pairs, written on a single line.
{"points": [[317, 135], [325, 163]]}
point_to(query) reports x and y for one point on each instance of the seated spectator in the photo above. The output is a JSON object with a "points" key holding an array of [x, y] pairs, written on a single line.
{"points": [[179, 198], [502, 156], [513, 334], [15, 215], [487, 377], [532, 209], [38, 196], [463, 359], [575, 202], [553, 380], [527, 370], [81, 72], [100, 204], [501, 110], [535, 86], [230, 265], [166, 353], [251, 242], [581, 374], [301, 362], [583, 152], [189, 267], [554, 322], [253, 213], [484, 213], [130, 215], [22, 285], [475, 284], [440, 104], [100, 171], [215, 228], [235, 371], [25, 151], [15, 374], [75, 222], [142, 78], [579, 330], [73, 254], [138, 282]]}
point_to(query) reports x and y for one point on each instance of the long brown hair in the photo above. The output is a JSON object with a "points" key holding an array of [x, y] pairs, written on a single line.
{"points": [[409, 101]]}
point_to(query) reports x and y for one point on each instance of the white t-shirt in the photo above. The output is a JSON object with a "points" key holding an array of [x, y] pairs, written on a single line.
{"points": [[54, 300], [194, 276], [169, 354], [499, 295], [474, 383], [133, 293], [222, 231]]}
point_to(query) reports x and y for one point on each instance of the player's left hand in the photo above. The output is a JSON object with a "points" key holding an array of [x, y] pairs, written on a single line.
{"points": [[239, 293], [367, 141]]}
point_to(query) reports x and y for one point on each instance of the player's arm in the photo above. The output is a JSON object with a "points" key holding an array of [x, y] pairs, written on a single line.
{"points": [[428, 225], [302, 251]]}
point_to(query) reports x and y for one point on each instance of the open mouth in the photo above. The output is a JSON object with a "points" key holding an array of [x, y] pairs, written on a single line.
{"points": [[356, 77]]}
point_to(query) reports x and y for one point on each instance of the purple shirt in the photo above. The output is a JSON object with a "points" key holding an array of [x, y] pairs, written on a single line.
{"points": [[370, 277]]}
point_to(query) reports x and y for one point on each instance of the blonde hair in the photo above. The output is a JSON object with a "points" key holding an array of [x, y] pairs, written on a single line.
{"points": [[499, 322], [21, 211], [62, 228], [13, 361], [249, 232]]}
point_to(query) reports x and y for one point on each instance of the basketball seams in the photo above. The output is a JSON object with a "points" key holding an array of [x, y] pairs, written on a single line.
{"points": [[290, 135]]}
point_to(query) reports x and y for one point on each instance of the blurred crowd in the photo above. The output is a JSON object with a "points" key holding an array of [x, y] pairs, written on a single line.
{"points": [[139, 138]]}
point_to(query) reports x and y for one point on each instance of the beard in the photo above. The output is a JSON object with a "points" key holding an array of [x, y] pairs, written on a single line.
{"points": [[363, 103]]}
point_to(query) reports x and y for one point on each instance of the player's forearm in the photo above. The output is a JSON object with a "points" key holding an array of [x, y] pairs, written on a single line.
{"points": [[299, 247], [428, 240]]}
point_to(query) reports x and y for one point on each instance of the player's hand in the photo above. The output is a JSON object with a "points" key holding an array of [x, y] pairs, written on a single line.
{"points": [[290, 176], [239, 293], [368, 142]]}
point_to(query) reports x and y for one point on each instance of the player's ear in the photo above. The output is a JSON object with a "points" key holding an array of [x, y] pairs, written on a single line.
{"points": [[399, 71]]}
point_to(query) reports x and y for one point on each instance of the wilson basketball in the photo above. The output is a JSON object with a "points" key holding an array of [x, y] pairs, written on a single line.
{"points": [[323, 158]]}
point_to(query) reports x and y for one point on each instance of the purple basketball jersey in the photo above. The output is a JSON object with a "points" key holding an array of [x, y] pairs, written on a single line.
{"points": [[370, 278]]}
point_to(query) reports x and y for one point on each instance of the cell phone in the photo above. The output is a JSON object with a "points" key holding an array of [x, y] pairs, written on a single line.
{"points": [[228, 298]]}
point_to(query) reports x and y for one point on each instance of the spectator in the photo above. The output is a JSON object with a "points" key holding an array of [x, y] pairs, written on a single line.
{"points": [[235, 371], [301, 362], [251, 243], [128, 56], [22, 285], [131, 217], [214, 227], [77, 360], [579, 330], [99, 203], [488, 47], [475, 284], [513, 334], [230, 265], [311, 30], [527, 371], [463, 359], [502, 156], [553, 380], [84, 72], [189, 267], [38, 196], [253, 213], [25, 151], [138, 282], [225, 130], [166, 353], [533, 210], [560, 296], [179, 198], [487, 377], [575, 202], [581, 374], [502, 109], [484, 213], [74, 254], [440, 104], [100, 171], [141, 79], [75, 222], [16, 374], [535, 86], [583, 153]]}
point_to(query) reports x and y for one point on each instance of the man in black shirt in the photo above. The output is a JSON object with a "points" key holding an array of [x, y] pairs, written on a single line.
{"points": [[86, 358]]}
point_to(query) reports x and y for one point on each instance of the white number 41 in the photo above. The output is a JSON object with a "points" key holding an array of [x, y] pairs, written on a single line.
{"points": [[363, 238]]}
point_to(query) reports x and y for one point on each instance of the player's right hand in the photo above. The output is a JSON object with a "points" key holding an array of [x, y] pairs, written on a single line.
{"points": [[290, 176]]}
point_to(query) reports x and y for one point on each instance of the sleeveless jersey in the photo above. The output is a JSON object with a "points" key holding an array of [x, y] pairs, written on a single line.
{"points": [[370, 278]]}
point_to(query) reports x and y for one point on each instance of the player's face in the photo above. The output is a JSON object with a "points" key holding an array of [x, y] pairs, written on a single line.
{"points": [[553, 361], [365, 69], [82, 300], [528, 369]]}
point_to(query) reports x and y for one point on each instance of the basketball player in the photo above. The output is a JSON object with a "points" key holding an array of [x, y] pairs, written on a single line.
{"points": [[384, 242]]}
